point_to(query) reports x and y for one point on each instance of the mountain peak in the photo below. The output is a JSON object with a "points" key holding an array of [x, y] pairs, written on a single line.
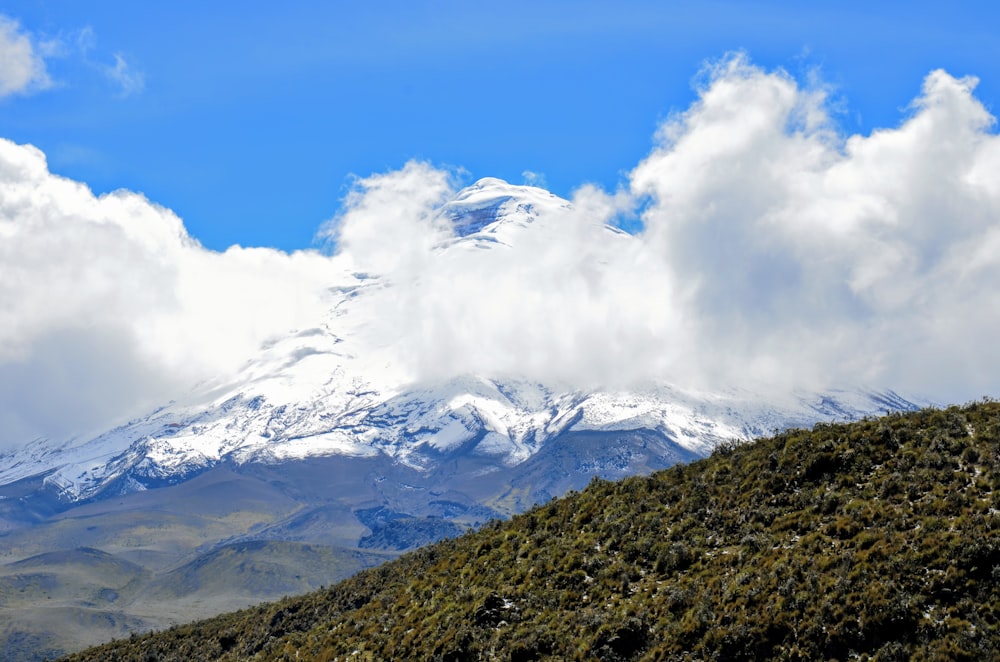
{"points": [[489, 199]]}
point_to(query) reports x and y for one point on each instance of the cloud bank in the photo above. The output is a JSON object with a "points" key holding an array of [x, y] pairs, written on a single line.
{"points": [[109, 307], [774, 252]]}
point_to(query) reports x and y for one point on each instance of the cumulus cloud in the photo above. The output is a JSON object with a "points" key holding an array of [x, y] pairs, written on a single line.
{"points": [[22, 65], [390, 220], [773, 252], [825, 257], [556, 296], [110, 307]]}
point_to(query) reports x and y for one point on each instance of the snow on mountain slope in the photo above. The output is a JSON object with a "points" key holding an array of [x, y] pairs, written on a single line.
{"points": [[477, 208], [338, 389]]}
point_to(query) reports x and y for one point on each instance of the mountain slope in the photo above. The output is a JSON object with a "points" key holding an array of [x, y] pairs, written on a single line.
{"points": [[332, 435], [339, 388], [876, 538]]}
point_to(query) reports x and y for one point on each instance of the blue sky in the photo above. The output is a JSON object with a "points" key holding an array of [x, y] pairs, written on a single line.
{"points": [[248, 119]]}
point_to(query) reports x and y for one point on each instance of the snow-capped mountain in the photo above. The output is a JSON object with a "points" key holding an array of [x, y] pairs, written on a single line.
{"points": [[334, 441], [334, 390]]}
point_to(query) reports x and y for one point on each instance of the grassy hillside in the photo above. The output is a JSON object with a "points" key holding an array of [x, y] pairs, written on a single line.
{"points": [[875, 539]]}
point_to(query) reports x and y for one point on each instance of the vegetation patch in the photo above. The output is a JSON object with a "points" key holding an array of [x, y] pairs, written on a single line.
{"points": [[873, 540]]}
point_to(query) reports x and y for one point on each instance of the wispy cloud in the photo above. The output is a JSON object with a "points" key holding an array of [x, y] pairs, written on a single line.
{"points": [[123, 74], [128, 79], [23, 59], [532, 178], [22, 62]]}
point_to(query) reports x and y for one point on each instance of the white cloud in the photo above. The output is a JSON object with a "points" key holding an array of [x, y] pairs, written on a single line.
{"points": [[22, 65], [775, 252], [554, 298], [388, 221], [828, 257], [110, 307]]}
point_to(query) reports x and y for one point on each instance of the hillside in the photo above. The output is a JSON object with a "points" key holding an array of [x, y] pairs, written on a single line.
{"points": [[879, 538]]}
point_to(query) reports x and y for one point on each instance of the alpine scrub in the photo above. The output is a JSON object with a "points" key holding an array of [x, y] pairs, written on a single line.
{"points": [[871, 540]]}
